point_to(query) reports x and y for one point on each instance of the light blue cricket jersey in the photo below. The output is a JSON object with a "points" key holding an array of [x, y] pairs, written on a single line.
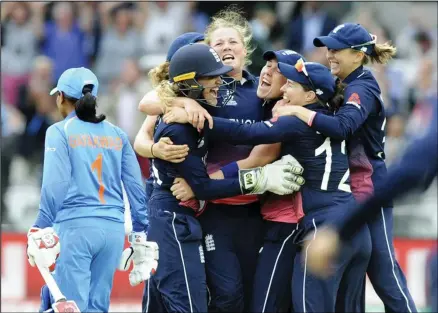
{"points": [[84, 167]]}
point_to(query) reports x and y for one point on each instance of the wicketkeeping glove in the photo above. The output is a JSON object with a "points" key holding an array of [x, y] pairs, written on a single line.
{"points": [[43, 244], [144, 254], [281, 177]]}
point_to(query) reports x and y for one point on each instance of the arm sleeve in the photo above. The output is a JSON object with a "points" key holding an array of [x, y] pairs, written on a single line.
{"points": [[273, 131], [352, 114], [414, 170], [193, 170], [132, 181], [56, 177]]}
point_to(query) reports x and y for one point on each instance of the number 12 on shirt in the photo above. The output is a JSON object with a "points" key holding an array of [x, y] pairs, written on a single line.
{"points": [[326, 146], [97, 166]]}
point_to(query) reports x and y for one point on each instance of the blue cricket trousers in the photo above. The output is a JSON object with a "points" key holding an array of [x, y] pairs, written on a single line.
{"points": [[179, 284], [341, 292], [384, 272], [272, 282], [233, 236], [90, 254]]}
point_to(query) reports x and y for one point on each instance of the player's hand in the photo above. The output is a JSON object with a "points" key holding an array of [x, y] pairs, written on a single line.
{"points": [[281, 177], [322, 251], [282, 110], [43, 247], [164, 149], [176, 115], [181, 190], [144, 254], [197, 114]]}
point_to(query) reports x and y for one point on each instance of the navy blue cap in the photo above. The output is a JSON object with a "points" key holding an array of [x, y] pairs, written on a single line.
{"points": [[321, 77], [181, 41], [284, 56], [196, 60], [348, 35], [73, 80]]}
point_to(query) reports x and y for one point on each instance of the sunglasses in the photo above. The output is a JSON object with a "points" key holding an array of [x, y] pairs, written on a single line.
{"points": [[300, 66], [372, 42]]}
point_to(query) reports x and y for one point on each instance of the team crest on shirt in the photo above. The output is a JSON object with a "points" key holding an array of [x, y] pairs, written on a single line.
{"points": [[354, 99]]}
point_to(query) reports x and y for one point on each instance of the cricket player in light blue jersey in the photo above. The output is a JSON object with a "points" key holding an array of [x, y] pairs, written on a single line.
{"points": [[86, 160]]}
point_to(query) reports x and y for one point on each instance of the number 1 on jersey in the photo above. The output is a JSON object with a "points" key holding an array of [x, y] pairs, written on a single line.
{"points": [[97, 165]]}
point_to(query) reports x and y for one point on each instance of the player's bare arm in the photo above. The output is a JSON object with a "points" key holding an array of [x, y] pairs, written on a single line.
{"points": [[302, 113], [151, 105], [164, 149]]}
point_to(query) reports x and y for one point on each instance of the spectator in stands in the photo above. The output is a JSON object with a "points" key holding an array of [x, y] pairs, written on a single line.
{"points": [[19, 46], [310, 23], [120, 41], [422, 96], [198, 20], [164, 22], [262, 24], [63, 38], [38, 109], [11, 123], [122, 102]]}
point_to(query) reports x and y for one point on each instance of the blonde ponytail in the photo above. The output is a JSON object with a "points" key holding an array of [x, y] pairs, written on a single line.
{"points": [[382, 53], [159, 73]]}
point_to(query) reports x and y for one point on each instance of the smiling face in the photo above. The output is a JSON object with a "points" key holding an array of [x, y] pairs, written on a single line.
{"points": [[295, 94], [211, 88], [228, 44], [271, 81], [343, 62]]}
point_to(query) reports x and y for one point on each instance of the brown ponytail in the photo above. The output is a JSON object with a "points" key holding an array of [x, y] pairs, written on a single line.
{"points": [[338, 98]]}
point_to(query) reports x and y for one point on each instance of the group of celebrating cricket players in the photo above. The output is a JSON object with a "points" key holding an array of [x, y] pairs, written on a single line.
{"points": [[249, 173]]}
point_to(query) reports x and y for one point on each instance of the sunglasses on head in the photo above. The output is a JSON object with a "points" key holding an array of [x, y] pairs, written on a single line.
{"points": [[372, 42], [300, 66]]}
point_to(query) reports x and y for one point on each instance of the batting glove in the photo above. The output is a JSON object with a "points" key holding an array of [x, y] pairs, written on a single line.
{"points": [[281, 177], [144, 254], [43, 244]]}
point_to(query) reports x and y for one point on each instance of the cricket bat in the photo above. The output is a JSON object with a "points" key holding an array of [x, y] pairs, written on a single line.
{"points": [[61, 303]]}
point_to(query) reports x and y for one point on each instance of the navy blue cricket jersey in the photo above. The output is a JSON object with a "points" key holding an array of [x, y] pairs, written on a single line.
{"points": [[193, 168], [244, 107], [324, 159], [361, 120], [417, 168]]}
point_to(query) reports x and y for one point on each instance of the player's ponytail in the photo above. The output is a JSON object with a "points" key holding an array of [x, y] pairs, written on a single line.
{"points": [[338, 98], [383, 52], [167, 91], [159, 73], [85, 107]]}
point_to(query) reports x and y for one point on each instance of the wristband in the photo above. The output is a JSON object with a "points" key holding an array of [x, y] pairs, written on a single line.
{"points": [[152, 150], [312, 116], [230, 170]]}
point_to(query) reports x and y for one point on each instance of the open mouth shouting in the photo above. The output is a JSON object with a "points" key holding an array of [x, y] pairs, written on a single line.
{"points": [[266, 82], [214, 92], [227, 58]]}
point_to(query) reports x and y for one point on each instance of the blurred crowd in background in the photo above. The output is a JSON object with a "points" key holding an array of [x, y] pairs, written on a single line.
{"points": [[122, 41]]}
